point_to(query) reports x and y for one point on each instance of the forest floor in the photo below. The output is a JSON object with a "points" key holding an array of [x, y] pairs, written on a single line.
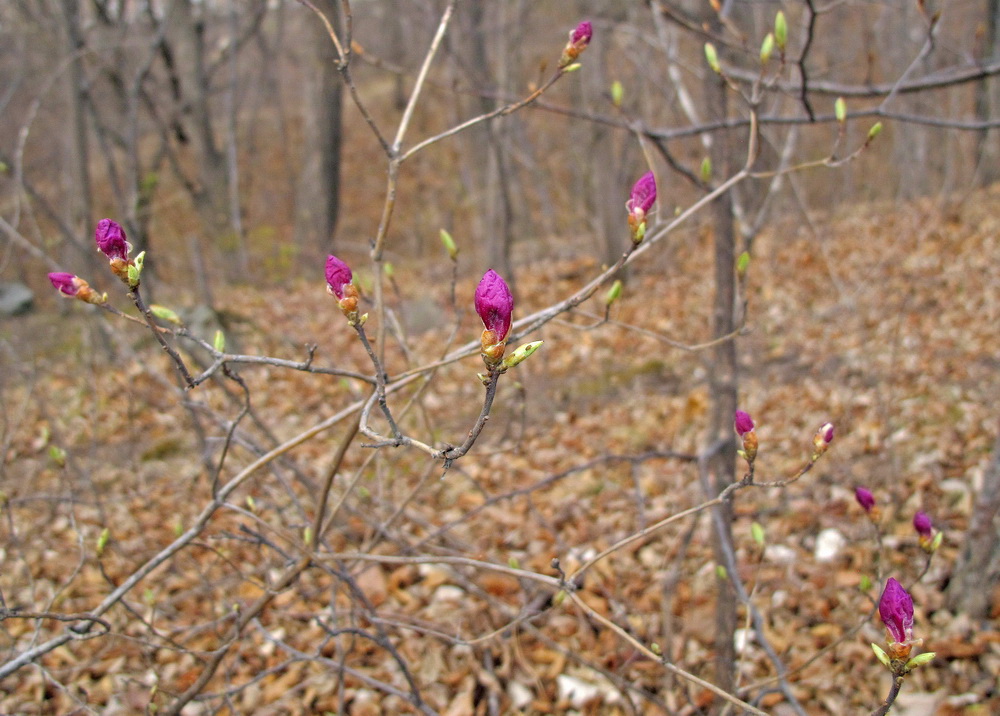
{"points": [[883, 320]]}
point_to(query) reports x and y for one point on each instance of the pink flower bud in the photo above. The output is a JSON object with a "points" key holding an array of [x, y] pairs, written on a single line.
{"points": [[338, 275], [494, 304], [826, 433], [896, 609], [742, 423], [111, 240], [67, 283], [643, 196], [865, 498], [580, 36], [922, 524]]}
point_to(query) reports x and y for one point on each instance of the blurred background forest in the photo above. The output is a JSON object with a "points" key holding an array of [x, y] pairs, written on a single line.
{"points": [[220, 134]]}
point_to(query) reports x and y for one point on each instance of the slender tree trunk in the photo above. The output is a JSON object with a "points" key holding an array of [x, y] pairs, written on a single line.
{"points": [[318, 193], [722, 377], [987, 153], [81, 197], [186, 34], [976, 579]]}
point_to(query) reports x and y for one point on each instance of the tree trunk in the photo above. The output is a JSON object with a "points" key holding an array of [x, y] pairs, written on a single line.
{"points": [[318, 193], [722, 377], [987, 153], [977, 576]]}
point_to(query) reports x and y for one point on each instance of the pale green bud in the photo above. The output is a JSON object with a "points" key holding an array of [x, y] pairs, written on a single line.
{"points": [[57, 455], [882, 656], [165, 314], [920, 660], [219, 343], [840, 110], [766, 48], [874, 131], [780, 30], [572, 68], [706, 170], [743, 263], [721, 572], [449, 245], [713, 58], [614, 293], [757, 531], [102, 541], [388, 269], [617, 93], [655, 648], [520, 354], [559, 598]]}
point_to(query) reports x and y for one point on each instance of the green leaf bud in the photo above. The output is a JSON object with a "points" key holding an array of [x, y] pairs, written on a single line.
{"points": [[920, 660], [219, 342], [757, 530], [706, 170], [721, 572], [780, 30], [520, 354], [766, 48], [743, 263], [874, 131], [617, 93], [713, 58], [102, 541], [840, 110], [165, 314], [882, 656], [449, 245], [614, 293], [57, 455]]}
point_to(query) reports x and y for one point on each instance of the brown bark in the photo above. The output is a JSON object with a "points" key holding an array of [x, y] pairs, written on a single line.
{"points": [[977, 575]]}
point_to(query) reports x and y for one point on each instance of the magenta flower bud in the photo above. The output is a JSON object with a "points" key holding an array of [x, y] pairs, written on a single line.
{"points": [[922, 524], [896, 609], [580, 36], [495, 305], [742, 423], [111, 240], [643, 195], [826, 433], [338, 275], [65, 282], [865, 498]]}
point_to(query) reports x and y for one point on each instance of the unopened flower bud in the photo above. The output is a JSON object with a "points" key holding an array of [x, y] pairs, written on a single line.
{"points": [[780, 30], [339, 284], [744, 426], [712, 57], [896, 610], [111, 240], [579, 38], [822, 439], [495, 306], [640, 201], [75, 287], [866, 499], [925, 532]]}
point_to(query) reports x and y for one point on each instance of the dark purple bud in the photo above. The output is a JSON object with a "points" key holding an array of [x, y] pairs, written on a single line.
{"points": [[896, 609], [826, 433], [111, 240], [494, 304], [580, 37], [338, 275], [922, 524], [865, 498], [742, 423], [643, 195], [65, 282]]}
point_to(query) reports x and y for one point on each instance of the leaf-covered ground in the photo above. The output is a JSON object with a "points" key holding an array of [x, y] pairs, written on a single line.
{"points": [[885, 321]]}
